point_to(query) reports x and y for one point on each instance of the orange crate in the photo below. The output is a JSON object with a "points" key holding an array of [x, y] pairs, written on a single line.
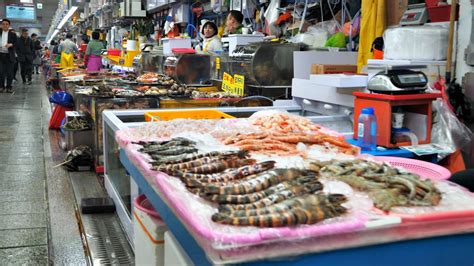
{"points": [[185, 114]]}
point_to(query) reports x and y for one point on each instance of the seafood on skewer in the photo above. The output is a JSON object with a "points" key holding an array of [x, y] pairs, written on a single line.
{"points": [[260, 182], [307, 209], [302, 185]]}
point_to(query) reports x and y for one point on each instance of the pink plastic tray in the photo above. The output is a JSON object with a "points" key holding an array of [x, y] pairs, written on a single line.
{"points": [[352, 223], [421, 168]]}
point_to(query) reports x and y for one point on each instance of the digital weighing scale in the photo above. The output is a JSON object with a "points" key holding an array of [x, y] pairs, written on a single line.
{"points": [[416, 14], [398, 81]]}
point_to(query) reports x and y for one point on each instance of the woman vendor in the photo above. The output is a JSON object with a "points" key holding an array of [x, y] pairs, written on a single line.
{"points": [[93, 58], [233, 23], [212, 43]]}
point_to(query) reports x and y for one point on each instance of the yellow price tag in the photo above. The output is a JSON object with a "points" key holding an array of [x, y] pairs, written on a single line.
{"points": [[238, 88], [234, 85], [227, 82]]}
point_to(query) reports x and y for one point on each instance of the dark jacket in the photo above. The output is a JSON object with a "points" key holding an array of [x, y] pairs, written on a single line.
{"points": [[25, 49], [12, 38], [37, 46]]}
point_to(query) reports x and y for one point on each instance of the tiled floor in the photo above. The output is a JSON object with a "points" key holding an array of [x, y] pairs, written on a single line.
{"points": [[33, 229], [23, 208]]}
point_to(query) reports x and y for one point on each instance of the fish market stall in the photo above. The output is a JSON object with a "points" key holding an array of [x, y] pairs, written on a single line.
{"points": [[286, 197], [95, 92], [267, 67]]}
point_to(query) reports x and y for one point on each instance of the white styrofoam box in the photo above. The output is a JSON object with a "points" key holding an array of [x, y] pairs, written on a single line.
{"points": [[174, 253], [307, 89], [149, 237], [340, 80], [416, 43], [303, 60], [242, 39], [169, 44]]}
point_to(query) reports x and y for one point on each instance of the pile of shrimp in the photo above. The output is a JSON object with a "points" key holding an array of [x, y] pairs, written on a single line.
{"points": [[285, 144], [288, 123]]}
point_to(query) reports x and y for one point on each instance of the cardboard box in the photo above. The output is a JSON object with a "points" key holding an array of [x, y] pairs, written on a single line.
{"points": [[394, 10], [303, 60], [333, 69]]}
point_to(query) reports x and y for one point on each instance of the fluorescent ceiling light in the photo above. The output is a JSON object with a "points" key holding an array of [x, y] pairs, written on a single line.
{"points": [[67, 17], [53, 35]]}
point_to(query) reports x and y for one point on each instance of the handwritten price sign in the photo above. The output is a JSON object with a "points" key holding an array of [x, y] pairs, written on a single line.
{"points": [[234, 85]]}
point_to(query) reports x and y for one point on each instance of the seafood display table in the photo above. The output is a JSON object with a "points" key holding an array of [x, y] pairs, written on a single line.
{"points": [[433, 243]]}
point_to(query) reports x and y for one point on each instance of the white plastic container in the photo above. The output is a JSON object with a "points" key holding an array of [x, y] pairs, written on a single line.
{"points": [[428, 43], [174, 253], [149, 232], [170, 44], [242, 39], [132, 45]]}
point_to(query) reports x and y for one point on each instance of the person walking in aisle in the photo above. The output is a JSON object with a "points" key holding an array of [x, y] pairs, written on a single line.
{"points": [[25, 51], [37, 54], [67, 50], [7, 56], [15, 67], [92, 57]]}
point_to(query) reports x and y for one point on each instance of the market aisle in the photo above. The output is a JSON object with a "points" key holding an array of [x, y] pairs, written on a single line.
{"points": [[23, 208], [29, 233]]}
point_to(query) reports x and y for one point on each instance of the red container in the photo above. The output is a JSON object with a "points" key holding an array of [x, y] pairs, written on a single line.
{"points": [[113, 52], [439, 13], [183, 51], [432, 3]]}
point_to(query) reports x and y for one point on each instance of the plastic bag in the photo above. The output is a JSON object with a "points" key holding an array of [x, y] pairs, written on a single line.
{"points": [[62, 98], [447, 130], [329, 26]]}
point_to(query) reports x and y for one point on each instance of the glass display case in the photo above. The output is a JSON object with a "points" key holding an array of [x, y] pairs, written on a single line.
{"points": [[264, 64], [94, 106], [189, 69]]}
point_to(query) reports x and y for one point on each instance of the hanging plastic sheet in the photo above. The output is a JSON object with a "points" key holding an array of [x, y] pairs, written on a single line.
{"points": [[447, 130]]}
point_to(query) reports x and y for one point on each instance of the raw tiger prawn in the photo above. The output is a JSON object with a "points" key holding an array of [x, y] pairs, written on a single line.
{"points": [[194, 156], [271, 199], [230, 174], [308, 209], [200, 161], [171, 142], [175, 151], [261, 182], [220, 166], [295, 186], [297, 202]]}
